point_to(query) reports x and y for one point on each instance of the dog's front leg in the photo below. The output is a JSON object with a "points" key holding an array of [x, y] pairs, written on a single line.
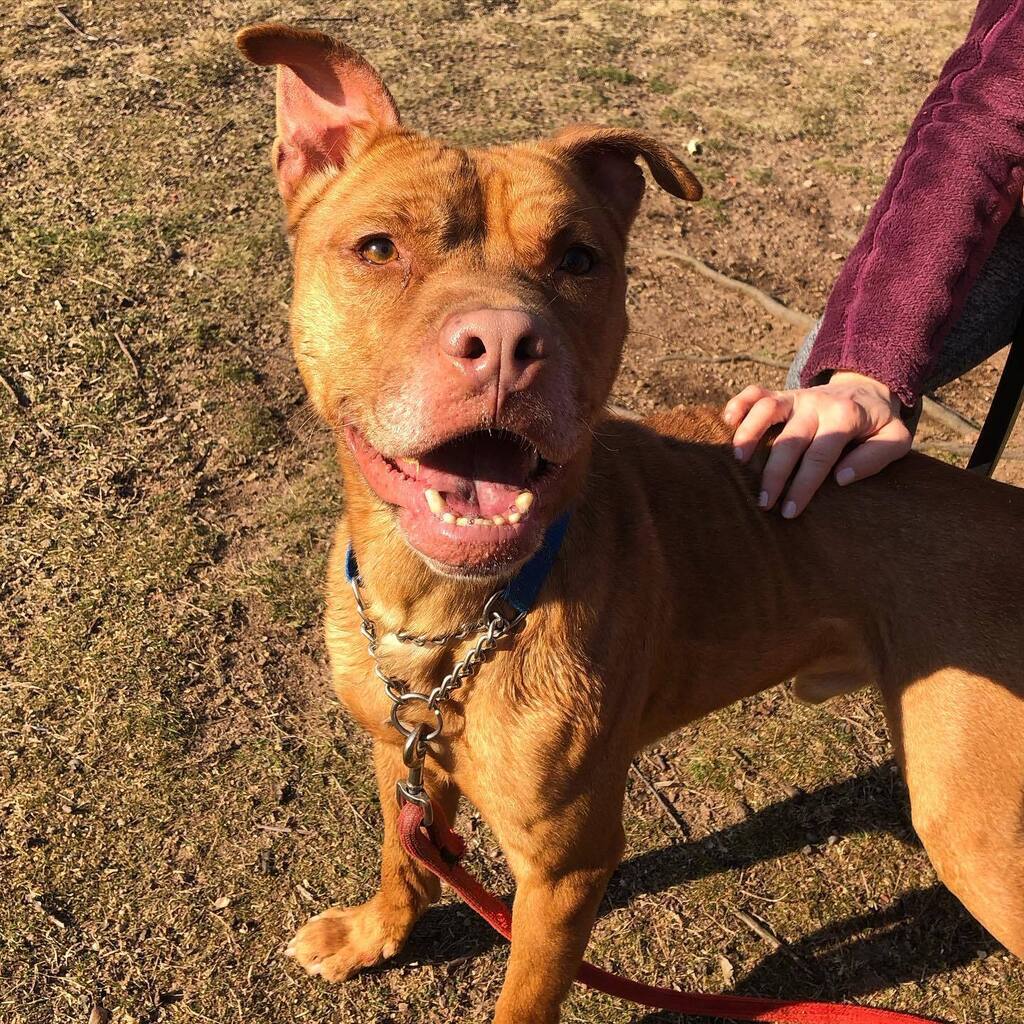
{"points": [[561, 874], [341, 941]]}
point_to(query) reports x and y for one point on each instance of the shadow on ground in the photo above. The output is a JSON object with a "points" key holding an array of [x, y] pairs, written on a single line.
{"points": [[925, 932]]}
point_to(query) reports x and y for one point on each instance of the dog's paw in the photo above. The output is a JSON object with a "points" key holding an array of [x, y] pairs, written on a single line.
{"points": [[338, 943]]}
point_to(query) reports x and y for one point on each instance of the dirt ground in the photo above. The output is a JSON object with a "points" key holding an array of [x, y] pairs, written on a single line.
{"points": [[178, 789]]}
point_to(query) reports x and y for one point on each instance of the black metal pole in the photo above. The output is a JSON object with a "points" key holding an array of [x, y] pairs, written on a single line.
{"points": [[1002, 414]]}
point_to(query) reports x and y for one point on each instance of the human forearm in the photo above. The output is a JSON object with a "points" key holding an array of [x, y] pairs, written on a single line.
{"points": [[954, 185]]}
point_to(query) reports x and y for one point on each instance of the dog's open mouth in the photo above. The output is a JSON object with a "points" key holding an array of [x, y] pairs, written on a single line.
{"points": [[474, 503]]}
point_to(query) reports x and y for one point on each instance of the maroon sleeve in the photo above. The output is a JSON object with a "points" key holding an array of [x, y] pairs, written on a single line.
{"points": [[955, 184]]}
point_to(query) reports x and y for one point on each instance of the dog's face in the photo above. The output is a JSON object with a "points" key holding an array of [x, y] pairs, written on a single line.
{"points": [[458, 315]]}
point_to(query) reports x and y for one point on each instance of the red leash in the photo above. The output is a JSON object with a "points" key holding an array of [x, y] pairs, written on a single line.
{"points": [[440, 850]]}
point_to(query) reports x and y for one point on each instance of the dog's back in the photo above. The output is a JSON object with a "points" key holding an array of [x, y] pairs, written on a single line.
{"points": [[927, 558]]}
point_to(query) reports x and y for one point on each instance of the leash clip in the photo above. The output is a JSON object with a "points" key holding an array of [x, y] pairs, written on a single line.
{"points": [[411, 791]]}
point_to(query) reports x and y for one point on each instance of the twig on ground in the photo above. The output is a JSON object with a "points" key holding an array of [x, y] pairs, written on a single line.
{"points": [[20, 399], [666, 804], [352, 807], [72, 24], [760, 930], [51, 915], [948, 417], [130, 356], [733, 357], [763, 899], [954, 448], [793, 316], [930, 407]]}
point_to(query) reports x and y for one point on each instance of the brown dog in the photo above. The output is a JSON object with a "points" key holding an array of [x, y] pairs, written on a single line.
{"points": [[458, 319]]}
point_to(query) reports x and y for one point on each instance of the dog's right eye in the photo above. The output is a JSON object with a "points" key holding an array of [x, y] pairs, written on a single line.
{"points": [[378, 250], [578, 260]]}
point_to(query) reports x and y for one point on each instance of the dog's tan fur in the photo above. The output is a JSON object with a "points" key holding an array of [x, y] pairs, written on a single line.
{"points": [[673, 594]]}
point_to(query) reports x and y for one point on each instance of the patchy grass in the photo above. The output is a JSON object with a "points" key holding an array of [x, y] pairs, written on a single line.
{"points": [[178, 790], [617, 76]]}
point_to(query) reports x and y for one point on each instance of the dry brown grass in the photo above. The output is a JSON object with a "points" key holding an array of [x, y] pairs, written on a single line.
{"points": [[177, 789]]}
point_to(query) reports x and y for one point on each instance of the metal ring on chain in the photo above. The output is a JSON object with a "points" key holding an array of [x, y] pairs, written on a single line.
{"points": [[412, 697], [491, 613]]}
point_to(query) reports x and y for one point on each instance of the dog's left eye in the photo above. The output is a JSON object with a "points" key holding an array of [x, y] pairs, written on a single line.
{"points": [[379, 249], [578, 259]]}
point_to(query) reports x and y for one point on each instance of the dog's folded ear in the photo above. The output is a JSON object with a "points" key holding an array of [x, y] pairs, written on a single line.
{"points": [[330, 101], [606, 156]]}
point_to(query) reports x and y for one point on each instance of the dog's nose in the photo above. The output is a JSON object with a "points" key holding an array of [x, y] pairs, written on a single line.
{"points": [[503, 345]]}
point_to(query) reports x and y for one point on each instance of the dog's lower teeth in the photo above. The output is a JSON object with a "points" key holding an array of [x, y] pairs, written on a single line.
{"points": [[435, 500], [450, 519]]}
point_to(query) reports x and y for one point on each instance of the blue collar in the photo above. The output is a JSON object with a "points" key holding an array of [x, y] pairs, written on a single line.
{"points": [[522, 590]]}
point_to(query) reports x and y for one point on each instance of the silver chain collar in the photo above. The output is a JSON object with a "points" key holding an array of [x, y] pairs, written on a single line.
{"points": [[492, 626], [442, 639]]}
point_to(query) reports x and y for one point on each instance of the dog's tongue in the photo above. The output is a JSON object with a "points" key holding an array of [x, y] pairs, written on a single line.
{"points": [[479, 474]]}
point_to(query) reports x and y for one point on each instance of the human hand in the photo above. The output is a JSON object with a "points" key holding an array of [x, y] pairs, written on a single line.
{"points": [[820, 422]]}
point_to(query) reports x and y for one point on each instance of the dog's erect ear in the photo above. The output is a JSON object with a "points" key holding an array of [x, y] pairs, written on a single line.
{"points": [[607, 158], [330, 101]]}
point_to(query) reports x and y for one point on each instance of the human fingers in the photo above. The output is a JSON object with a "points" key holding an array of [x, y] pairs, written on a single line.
{"points": [[891, 442], [739, 405], [775, 407], [817, 462], [786, 451]]}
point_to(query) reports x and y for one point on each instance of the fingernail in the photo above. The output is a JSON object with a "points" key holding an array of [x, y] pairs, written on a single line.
{"points": [[789, 510], [738, 453], [845, 476], [762, 499]]}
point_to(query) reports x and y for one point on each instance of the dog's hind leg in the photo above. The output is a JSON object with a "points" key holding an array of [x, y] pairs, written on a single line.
{"points": [[958, 737], [341, 941]]}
